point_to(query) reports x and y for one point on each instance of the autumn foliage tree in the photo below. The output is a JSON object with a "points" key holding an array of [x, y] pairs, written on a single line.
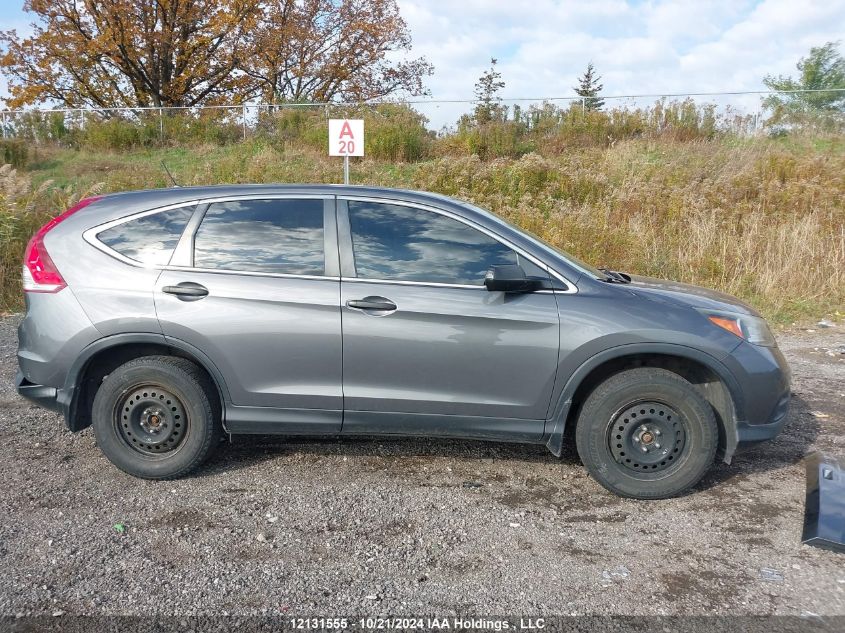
{"points": [[110, 53], [131, 53], [324, 50]]}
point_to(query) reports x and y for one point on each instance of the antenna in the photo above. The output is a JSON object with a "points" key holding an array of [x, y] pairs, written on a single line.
{"points": [[172, 179]]}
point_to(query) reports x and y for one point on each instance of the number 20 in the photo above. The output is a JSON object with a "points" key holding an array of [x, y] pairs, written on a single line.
{"points": [[347, 147]]}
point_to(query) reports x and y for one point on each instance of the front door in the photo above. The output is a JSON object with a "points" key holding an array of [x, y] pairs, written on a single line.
{"points": [[259, 294], [426, 348]]}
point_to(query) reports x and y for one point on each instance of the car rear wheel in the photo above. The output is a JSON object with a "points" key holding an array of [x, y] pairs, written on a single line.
{"points": [[156, 417], [647, 433]]}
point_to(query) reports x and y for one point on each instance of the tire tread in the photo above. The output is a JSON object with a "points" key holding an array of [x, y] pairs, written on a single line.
{"points": [[590, 419], [209, 403]]}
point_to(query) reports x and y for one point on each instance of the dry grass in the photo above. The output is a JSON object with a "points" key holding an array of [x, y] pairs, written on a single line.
{"points": [[763, 219], [23, 209]]}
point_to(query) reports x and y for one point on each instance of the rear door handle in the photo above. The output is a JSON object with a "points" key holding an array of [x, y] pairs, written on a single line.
{"points": [[187, 291], [371, 303]]}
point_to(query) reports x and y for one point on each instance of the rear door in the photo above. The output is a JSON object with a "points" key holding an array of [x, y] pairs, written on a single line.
{"points": [[426, 348], [254, 285]]}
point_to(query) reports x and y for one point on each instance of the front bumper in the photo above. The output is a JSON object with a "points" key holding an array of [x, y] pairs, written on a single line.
{"points": [[43, 396], [749, 435], [763, 376]]}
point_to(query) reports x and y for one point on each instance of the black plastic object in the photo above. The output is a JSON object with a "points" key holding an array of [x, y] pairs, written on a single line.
{"points": [[824, 514], [509, 278]]}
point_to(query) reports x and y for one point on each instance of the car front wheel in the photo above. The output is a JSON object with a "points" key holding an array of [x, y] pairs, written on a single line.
{"points": [[647, 433]]}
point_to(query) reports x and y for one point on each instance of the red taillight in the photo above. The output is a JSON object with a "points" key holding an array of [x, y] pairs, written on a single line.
{"points": [[39, 272]]}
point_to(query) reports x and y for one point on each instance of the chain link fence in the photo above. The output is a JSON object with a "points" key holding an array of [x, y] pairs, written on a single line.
{"points": [[741, 113], [147, 125]]}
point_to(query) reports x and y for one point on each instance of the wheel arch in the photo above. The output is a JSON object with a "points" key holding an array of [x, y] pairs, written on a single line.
{"points": [[711, 376], [103, 356]]}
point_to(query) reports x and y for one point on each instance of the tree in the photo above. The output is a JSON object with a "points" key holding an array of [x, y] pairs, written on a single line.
{"points": [[487, 97], [322, 50], [589, 88], [822, 71], [136, 53], [110, 53]]}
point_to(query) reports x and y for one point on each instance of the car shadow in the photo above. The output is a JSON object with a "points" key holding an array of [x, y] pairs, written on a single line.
{"points": [[248, 450], [244, 451]]}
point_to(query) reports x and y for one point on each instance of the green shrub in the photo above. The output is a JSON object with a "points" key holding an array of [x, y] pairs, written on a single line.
{"points": [[115, 134], [40, 127], [292, 125], [489, 140], [392, 132], [396, 133], [184, 127], [13, 152]]}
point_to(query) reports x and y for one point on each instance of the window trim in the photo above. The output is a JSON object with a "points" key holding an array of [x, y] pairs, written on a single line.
{"points": [[90, 235], [348, 257]]}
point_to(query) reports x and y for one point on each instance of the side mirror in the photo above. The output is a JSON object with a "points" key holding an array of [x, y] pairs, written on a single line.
{"points": [[509, 278]]}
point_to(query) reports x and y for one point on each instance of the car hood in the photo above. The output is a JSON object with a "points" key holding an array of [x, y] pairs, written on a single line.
{"points": [[678, 293]]}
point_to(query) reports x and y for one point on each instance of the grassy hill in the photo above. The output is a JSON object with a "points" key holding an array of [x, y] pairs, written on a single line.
{"points": [[761, 218]]}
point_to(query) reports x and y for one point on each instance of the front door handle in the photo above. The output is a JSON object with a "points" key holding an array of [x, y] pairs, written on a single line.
{"points": [[187, 291], [372, 303]]}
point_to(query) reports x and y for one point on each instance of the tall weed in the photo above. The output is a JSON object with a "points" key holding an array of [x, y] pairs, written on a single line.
{"points": [[760, 218]]}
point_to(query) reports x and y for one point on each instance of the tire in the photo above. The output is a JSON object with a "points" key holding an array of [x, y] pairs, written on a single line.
{"points": [[157, 417], [647, 433]]}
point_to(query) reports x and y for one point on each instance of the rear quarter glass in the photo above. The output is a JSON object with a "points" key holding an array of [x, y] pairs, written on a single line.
{"points": [[149, 239], [115, 295]]}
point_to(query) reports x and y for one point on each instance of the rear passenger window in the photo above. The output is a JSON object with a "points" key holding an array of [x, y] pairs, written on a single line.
{"points": [[149, 239], [262, 236]]}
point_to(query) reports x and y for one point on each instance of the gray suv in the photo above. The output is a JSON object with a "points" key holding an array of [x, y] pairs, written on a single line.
{"points": [[165, 318]]}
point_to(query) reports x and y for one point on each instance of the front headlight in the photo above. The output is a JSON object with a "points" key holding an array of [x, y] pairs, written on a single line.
{"points": [[750, 328]]}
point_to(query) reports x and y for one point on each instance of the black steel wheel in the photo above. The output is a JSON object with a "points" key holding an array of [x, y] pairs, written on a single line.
{"points": [[647, 437], [151, 420], [647, 433], [157, 417]]}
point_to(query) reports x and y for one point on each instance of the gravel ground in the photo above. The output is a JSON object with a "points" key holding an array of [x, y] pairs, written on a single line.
{"points": [[411, 526]]}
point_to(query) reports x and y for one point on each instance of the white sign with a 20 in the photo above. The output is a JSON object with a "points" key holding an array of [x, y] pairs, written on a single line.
{"points": [[346, 137]]}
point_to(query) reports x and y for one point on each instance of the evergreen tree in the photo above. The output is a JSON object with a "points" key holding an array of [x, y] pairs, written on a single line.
{"points": [[589, 88]]}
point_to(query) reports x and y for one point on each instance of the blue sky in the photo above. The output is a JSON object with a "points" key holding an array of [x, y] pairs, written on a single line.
{"points": [[638, 47]]}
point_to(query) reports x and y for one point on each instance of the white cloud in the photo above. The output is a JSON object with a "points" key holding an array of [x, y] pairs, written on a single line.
{"points": [[661, 46]]}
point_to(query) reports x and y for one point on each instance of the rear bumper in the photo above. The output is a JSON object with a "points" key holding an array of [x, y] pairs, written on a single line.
{"points": [[43, 396]]}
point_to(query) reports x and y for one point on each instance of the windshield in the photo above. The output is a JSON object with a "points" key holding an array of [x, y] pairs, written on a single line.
{"points": [[576, 263]]}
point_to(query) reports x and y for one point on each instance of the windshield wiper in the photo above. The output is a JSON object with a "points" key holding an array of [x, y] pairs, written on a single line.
{"points": [[615, 277]]}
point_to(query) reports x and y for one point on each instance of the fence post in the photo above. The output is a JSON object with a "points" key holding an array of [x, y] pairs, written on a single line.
{"points": [[243, 120], [160, 125], [82, 119], [583, 107], [4, 124]]}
